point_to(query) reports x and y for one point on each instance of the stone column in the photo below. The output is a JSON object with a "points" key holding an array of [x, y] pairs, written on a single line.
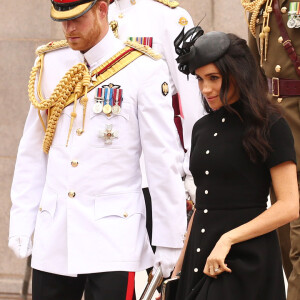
{"points": [[24, 25], [220, 15]]}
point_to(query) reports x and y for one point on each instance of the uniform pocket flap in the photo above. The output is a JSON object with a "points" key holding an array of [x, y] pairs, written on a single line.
{"points": [[48, 202], [120, 205]]}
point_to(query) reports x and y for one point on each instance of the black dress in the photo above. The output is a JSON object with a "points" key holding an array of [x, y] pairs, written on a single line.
{"points": [[231, 190]]}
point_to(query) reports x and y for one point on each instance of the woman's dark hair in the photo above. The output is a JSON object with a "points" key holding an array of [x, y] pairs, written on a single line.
{"points": [[239, 65]]}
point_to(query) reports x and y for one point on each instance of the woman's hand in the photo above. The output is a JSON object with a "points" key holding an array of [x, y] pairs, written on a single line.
{"points": [[176, 271], [215, 263]]}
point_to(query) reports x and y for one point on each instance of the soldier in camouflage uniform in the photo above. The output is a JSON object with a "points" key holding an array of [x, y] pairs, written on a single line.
{"points": [[275, 40]]}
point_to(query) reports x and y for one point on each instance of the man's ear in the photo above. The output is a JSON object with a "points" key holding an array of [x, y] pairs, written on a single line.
{"points": [[102, 8]]}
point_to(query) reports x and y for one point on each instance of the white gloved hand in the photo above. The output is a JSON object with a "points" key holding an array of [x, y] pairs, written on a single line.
{"points": [[21, 245], [166, 258], [190, 187]]}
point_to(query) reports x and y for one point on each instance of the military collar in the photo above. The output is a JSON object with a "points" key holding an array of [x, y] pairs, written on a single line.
{"points": [[102, 51], [124, 4]]}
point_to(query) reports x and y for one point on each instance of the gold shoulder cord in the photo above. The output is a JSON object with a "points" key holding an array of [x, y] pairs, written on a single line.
{"points": [[74, 81], [254, 8], [170, 3], [144, 49], [75, 84]]}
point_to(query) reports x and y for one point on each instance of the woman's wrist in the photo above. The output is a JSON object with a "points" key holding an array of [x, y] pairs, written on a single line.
{"points": [[227, 238]]}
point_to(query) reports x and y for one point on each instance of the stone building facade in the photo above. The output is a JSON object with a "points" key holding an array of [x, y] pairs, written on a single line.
{"points": [[24, 26]]}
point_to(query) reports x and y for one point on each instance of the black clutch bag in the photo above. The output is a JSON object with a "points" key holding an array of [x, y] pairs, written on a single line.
{"points": [[169, 288]]}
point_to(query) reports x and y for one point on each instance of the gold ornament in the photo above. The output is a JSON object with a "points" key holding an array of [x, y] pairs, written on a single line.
{"points": [[183, 21], [79, 131], [254, 8], [75, 83], [114, 27], [170, 3], [58, 99], [278, 68], [283, 10]]}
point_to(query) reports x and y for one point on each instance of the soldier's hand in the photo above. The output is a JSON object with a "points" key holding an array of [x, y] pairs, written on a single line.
{"points": [[21, 245], [166, 258]]}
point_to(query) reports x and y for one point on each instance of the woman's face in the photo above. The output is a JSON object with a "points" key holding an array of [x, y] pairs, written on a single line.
{"points": [[210, 82]]}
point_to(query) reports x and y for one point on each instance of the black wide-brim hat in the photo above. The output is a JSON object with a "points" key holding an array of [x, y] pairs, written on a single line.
{"points": [[201, 50], [64, 10]]}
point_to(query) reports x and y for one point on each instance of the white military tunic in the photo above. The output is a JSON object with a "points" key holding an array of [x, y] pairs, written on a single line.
{"points": [[84, 202], [149, 18]]}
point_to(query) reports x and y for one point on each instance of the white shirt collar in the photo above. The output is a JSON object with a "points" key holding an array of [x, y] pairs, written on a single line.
{"points": [[102, 51]]}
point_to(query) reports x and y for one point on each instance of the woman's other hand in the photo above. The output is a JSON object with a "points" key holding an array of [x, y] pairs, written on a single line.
{"points": [[215, 263]]}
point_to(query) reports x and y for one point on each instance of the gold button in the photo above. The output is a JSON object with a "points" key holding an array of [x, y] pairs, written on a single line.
{"points": [[279, 100], [284, 10], [40, 209], [278, 68], [71, 194], [280, 39], [79, 131], [74, 163], [121, 16], [125, 215]]}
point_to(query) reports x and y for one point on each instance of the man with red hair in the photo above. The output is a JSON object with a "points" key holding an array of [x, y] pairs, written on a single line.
{"points": [[77, 183]]}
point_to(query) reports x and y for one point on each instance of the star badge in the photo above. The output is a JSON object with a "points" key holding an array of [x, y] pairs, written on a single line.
{"points": [[109, 134]]}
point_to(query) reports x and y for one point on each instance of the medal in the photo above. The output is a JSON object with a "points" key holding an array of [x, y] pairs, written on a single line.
{"points": [[297, 20], [147, 41], [109, 134], [98, 106], [107, 99], [112, 99], [107, 109], [294, 15], [116, 109], [291, 22], [117, 98]]}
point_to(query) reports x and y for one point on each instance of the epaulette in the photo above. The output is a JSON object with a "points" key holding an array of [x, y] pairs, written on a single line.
{"points": [[51, 47], [144, 49], [170, 3]]}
